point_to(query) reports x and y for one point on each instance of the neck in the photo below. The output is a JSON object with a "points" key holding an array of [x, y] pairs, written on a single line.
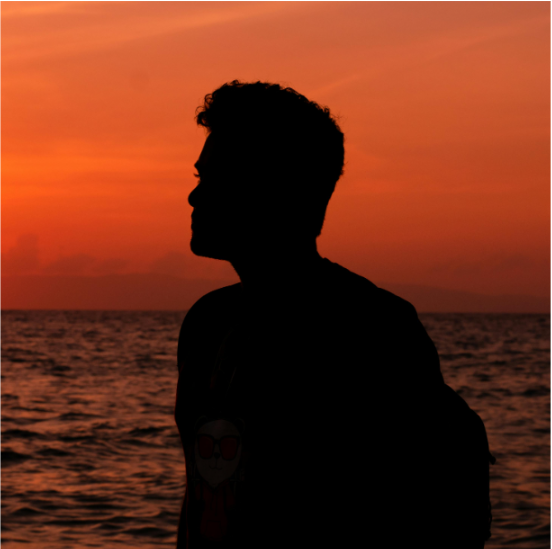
{"points": [[278, 266]]}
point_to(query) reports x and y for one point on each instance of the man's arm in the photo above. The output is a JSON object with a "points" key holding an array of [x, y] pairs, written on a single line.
{"points": [[190, 360], [197, 349], [183, 391]]}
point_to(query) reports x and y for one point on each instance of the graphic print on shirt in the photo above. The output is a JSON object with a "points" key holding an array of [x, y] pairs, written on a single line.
{"points": [[217, 459]]}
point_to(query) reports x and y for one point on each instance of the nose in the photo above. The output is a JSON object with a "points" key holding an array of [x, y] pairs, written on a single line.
{"points": [[192, 197]]}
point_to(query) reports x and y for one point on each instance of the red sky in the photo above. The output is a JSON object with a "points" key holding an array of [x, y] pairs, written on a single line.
{"points": [[445, 108]]}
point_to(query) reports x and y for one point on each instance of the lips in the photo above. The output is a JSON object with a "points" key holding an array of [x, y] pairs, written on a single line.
{"points": [[198, 220]]}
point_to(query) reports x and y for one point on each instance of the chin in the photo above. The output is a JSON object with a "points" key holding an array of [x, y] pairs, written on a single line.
{"points": [[206, 248]]}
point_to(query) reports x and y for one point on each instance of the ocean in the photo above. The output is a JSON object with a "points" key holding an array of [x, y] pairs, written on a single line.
{"points": [[91, 455]]}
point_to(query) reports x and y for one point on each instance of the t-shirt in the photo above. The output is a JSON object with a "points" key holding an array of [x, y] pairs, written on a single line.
{"points": [[315, 413]]}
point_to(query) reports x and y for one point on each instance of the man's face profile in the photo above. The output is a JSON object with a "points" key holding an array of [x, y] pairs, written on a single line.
{"points": [[209, 215], [220, 201], [230, 209]]}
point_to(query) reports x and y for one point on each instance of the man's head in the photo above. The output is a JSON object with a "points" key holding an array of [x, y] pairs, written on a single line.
{"points": [[267, 170]]}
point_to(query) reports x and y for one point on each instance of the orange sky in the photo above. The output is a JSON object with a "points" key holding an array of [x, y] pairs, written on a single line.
{"points": [[445, 108]]}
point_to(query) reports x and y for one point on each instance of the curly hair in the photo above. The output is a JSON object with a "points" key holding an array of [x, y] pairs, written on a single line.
{"points": [[293, 139]]}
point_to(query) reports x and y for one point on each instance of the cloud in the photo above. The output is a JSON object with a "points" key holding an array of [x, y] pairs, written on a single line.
{"points": [[513, 262], [70, 264], [96, 27], [23, 257], [192, 267], [173, 263], [112, 265], [499, 263]]}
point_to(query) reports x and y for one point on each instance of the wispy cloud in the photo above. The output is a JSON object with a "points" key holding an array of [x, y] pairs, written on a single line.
{"points": [[14, 10], [97, 27], [188, 266], [70, 264], [23, 257]]}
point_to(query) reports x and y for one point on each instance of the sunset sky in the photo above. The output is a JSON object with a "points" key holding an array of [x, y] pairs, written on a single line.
{"points": [[445, 108]]}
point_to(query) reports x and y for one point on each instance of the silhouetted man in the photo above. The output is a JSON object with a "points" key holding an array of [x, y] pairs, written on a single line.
{"points": [[310, 402]]}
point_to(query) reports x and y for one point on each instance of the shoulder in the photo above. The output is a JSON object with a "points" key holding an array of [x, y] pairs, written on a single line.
{"points": [[213, 302], [364, 308], [391, 323], [358, 292], [207, 315]]}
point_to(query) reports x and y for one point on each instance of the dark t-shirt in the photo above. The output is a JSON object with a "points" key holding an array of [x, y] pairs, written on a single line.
{"points": [[317, 413]]}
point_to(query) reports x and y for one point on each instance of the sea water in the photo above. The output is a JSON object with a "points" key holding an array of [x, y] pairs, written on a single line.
{"points": [[91, 456]]}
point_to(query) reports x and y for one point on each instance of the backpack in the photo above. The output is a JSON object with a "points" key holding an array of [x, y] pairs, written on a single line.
{"points": [[454, 458]]}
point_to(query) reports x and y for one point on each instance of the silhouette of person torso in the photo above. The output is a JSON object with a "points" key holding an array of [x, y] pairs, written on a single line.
{"points": [[310, 402], [315, 412]]}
